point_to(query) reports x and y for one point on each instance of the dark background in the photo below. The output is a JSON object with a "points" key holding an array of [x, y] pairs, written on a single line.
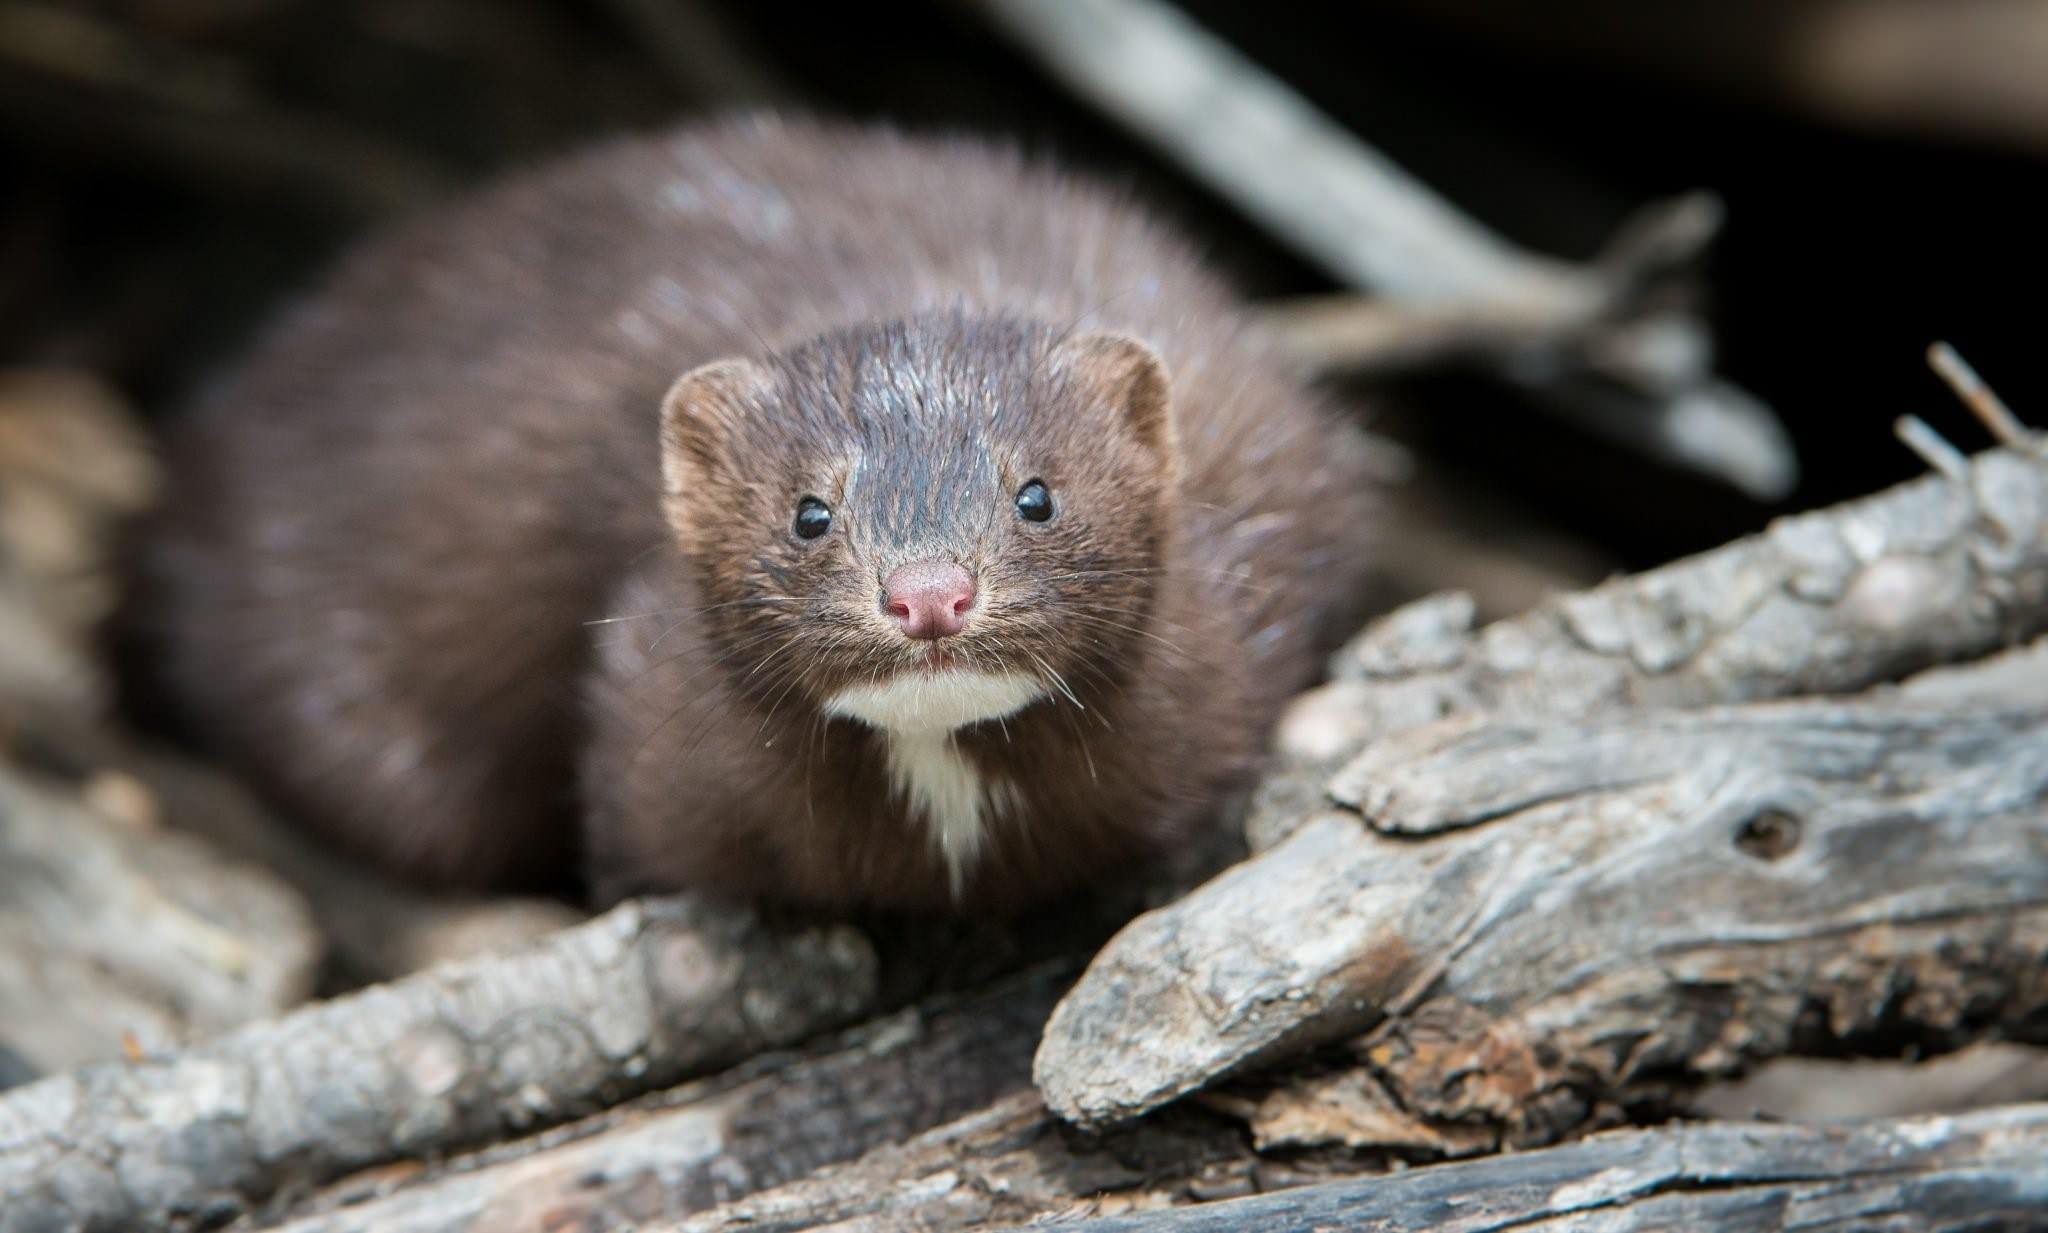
{"points": [[173, 168]]}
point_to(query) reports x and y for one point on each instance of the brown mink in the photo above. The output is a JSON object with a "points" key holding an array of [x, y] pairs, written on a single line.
{"points": [[817, 513]]}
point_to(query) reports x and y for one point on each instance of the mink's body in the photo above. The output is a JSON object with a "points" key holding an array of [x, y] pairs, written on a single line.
{"points": [[439, 577]]}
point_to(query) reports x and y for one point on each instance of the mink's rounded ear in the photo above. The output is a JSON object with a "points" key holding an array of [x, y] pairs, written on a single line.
{"points": [[1130, 377], [699, 417]]}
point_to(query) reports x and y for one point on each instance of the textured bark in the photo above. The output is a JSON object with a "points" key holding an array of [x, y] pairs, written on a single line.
{"points": [[636, 1000], [1979, 1171], [118, 936], [767, 1123], [1014, 1163], [1653, 895], [1932, 571]]}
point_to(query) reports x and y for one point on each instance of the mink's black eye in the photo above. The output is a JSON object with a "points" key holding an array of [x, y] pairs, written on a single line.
{"points": [[1034, 503], [813, 518]]}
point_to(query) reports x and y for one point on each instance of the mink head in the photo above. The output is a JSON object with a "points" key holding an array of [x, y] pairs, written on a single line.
{"points": [[925, 523]]}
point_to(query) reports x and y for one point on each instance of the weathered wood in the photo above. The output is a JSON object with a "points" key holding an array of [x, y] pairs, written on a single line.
{"points": [[1812, 1089], [1182, 1169], [641, 997], [1637, 898], [117, 935], [1977, 1171], [1344, 205], [1010, 1162], [766, 1123], [1932, 571]]}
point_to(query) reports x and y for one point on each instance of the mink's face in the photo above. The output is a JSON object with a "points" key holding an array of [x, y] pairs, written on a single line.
{"points": [[929, 523]]}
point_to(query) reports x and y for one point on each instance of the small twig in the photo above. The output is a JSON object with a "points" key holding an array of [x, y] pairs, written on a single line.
{"points": [[1933, 448], [1981, 399]]}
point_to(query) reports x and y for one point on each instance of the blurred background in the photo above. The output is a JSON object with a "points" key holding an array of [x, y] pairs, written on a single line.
{"points": [[174, 169]]}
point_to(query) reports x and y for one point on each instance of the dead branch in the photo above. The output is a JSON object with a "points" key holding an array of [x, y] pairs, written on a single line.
{"points": [[1932, 571], [1976, 1171], [638, 999], [1839, 600], [765, 1124], [1014, 1163], [1619, 901], [1010, 1162], [1605, 353]]}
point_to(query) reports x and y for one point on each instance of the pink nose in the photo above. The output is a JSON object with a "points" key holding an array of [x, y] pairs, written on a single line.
{"points": [[929, 599]]}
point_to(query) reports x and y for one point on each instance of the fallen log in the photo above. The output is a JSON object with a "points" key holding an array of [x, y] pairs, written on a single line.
{"points": [[766, 1123], [1014, 1163], [1010, 1162], [1984, 1170], [1933, 571], [636, 1000], [1334, 928]]}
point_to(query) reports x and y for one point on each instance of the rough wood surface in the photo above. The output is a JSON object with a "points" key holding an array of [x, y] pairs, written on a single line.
{"points": [[1012, 1161], [1645, 896], [1974, 1172], [764, 1124], [638, 999], [1932, 571], [117, 936]]}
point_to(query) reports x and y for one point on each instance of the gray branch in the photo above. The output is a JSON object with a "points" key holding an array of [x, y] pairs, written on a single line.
{"points": [[1978, 1171], [636, 1000], [1932, 571], [1586, 339], [1011, 1164], [767, 1123]]}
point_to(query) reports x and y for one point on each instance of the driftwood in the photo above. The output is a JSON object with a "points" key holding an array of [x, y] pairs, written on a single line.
{"points": [[1650, 892], [1010, 1162], [1014, 1163], [765, 1124], [1979, 1171], [1933, 571], [636, 1000], [1590, 340]]}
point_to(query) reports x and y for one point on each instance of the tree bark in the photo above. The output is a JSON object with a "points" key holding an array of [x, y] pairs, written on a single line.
{"points": [[1977, 1171], [765, 1124], [635, 1000], [1644, 830]]}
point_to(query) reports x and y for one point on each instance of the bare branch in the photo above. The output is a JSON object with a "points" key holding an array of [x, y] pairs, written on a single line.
{"points": [[1606, 352], [637, 999]]}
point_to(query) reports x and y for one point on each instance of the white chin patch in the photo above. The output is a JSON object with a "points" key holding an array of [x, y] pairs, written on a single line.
{"points": [[918, 714], [935, 702]]}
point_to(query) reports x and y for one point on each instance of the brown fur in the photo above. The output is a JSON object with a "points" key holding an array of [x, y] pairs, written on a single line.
{"points": [[397, 523]]}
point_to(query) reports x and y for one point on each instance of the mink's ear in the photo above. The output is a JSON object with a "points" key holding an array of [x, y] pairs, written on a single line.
{"points": [[1129, 376], [699, 417]]}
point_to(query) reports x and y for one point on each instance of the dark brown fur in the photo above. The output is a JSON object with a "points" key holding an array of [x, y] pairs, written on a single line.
{"points": [[399, 521]]}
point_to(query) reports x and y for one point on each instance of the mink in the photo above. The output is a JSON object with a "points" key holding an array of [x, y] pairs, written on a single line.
{"points": [[782, 509]]}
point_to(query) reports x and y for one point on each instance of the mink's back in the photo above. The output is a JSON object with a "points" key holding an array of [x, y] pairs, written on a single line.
{"points": [[394, 522]]}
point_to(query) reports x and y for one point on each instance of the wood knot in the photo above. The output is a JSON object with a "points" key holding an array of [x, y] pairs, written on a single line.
{"points": [[1768, 834]]}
